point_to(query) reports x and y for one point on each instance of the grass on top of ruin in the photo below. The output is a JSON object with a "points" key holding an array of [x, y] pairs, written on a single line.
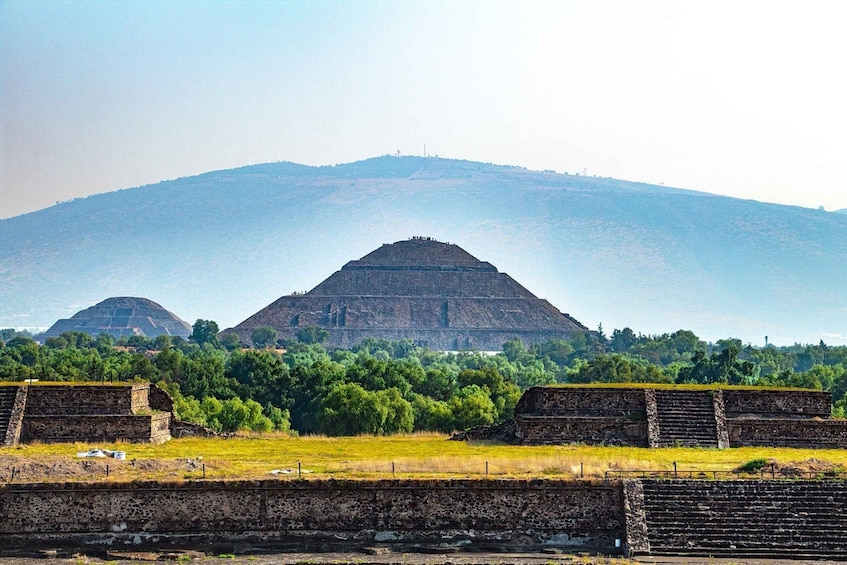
{"points": [[369, 457]]}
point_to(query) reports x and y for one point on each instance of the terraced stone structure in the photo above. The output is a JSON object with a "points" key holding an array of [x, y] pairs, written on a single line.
{"points": [[766, 518], [434, 293], [81, 413], [122, 316], [668, 417]]}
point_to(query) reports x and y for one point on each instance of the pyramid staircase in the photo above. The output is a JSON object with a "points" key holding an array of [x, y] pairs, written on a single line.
{"points": [[686, 418], [10, 419], [767, 518]]}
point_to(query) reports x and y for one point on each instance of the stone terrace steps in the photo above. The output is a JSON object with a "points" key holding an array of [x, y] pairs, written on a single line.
{"points": [[686, 418], [7, 402], [746, 517]]}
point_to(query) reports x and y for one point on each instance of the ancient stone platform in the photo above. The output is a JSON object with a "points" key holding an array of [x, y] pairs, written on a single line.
{"points": [[672, 417], [81, 413], [762, 518]]}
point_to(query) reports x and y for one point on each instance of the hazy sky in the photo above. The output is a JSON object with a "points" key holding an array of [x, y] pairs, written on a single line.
{"points": [[739, 98]]}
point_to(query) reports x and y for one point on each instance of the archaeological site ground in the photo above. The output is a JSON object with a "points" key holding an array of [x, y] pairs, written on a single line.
{"points": [[401, 497]]}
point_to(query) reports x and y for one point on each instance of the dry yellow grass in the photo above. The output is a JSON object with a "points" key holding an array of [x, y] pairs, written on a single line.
{"points": [[417, 455]]}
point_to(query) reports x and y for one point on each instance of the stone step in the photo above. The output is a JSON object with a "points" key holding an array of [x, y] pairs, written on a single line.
{"points": [[793, 543], [790, 554], [705, 416], [8, 395], [685, 426], [688, 432], [801, 497], [762, 539], [799, 503], [686, 497], [740, 517], [694, 524]]}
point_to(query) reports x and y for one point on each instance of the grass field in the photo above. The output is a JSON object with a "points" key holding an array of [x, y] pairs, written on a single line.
{"points": [[417, 455]]}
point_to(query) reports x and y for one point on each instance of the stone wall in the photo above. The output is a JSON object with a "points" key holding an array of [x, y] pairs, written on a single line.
{"points": [[787, 432], [94, 413], [579, 515], [140, 428], [10, 433], [777, 403], [160, 400], [777, 518], [582, 401], [641, 516], [442, 339], [52, 399], [632, 416], [538, 430]]}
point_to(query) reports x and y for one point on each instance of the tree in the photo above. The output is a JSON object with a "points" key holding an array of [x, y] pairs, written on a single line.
{"points": [[139, 342], [622, 340], [230, 341], [162, 342], [431, 415], [263, 337], [205, 331], [471, 406], [556, 350], [312, 334], [400, 417], [262, 376], [503, 394], [618, 368], [349, 409], [438, 384], [514, 349]]}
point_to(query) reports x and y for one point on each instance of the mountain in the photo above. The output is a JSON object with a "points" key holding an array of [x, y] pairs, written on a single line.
{"points": [[224, 244]]}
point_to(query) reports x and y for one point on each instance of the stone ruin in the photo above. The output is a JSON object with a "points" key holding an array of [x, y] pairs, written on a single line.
{"points": [[86, 412], [642, 416], [122, 316], [436, 294]]}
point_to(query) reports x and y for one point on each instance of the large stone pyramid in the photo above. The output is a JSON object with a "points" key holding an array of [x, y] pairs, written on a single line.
{"points": [[122, 316], [434, 293]]}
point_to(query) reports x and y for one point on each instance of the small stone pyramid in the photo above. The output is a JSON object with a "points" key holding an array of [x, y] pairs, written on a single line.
{"points": [[122, 316]]}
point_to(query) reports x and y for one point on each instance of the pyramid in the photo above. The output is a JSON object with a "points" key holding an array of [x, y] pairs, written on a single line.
{"points": [[436, 294], [122, 316]]}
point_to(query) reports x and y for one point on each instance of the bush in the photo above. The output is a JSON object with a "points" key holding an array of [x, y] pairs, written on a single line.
{"points": [[753, 466]]}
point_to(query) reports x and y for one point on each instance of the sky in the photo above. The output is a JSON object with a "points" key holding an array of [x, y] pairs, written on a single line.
{"points": [[741, 98]]}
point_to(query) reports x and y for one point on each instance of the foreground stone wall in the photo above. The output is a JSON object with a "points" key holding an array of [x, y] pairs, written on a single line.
{"points": [[476, 513]]}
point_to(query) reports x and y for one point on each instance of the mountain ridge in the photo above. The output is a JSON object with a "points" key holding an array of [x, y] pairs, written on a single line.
{"points": [[224, 244]]}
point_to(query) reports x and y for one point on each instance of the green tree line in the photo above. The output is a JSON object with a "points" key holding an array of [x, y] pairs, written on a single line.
{"points": [[384, 387]]}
